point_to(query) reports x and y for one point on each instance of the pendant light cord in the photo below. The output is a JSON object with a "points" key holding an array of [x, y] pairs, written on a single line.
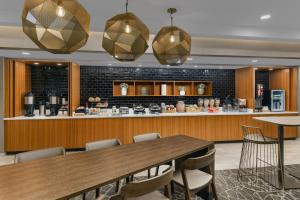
{"points": [[171, 16], [126, 6]]}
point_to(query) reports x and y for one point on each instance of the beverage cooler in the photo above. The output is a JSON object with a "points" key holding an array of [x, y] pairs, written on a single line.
{"points": [[277, 100]]}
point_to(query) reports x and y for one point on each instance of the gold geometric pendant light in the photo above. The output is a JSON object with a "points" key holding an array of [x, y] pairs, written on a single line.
{"points": [[172, 45], [125, 37], [57, 26]]}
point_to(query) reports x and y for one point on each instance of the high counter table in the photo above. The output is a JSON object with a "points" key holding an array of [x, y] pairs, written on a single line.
{"points": [[292, 121]]}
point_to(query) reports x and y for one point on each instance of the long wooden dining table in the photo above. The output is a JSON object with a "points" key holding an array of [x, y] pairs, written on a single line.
{"points": [[64, 177]]}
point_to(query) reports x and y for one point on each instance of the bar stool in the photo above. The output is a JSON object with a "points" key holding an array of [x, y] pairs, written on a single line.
{"points": [[39, 154], [259, 158], [102, 145], [148, 137], [147, 189]]}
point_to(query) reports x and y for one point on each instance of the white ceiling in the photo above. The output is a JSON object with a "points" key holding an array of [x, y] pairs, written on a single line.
{"points": [[201, 18], [103, 59], [223, 18]]}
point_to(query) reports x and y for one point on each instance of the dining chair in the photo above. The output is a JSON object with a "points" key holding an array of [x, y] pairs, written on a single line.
{"points": [[148, 137], [39, 154], [259, 158], [147, 189], [196, 174], [102, 144]]}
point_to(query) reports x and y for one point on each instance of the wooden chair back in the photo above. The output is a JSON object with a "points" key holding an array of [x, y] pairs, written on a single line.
{"points": [[199, 162], [140, 188]]}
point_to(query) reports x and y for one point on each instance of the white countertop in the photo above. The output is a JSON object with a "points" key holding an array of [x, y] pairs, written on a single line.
{"points": [[283, 120], [185, 114]]}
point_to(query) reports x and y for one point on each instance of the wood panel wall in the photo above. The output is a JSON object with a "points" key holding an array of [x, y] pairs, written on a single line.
{"points": [[17, 84], [74, 87], [286, 79], [293, 89], [245, 85], [24, 135], [8, 88]]}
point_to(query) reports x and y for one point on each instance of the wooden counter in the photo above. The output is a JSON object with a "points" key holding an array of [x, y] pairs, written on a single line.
{"points": [[24, 135]]}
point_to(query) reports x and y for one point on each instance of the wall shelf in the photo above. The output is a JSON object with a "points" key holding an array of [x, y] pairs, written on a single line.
{"points": [[138, 88]]}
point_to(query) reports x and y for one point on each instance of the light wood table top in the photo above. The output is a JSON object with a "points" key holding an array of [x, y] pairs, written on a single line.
{"points": [[283, 121], [67, 176]]}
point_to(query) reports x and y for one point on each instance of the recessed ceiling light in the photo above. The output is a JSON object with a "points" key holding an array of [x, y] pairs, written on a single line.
{"points": [[168, 65], [59, 64], [109, 64], [254, 61], [265, 17], [26, 53], [140, 65], [189, 58], [36, 63]]}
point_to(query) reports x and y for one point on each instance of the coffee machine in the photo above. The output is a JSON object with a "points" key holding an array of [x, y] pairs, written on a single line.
{"points": [[29, 104], [54, 105], [259, 97]]}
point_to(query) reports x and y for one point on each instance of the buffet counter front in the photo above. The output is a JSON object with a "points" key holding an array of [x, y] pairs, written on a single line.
{"points": [[24, 134]]}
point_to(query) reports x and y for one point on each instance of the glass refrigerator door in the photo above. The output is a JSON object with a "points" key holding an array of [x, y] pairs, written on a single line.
{"points": [[278, 100]]}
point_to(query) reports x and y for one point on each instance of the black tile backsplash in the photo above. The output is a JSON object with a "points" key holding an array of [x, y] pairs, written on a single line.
{"points": [[262, 77], [98, 81], [47, 80]]}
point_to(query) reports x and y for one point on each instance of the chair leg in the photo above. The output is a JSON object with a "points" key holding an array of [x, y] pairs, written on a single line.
{"points": [[157, 171], [97, 192], [172, 187], [83, 196], [241, 159], [149, 173], [168, 191], [213, 186], [187, 194], [117, 186]]}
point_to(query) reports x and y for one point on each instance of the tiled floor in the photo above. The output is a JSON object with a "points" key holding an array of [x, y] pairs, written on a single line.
{"points": [[227, 155]]}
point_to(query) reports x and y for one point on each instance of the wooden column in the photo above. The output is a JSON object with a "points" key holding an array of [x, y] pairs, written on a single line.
{"points": [[245, 85], [286, 79], [74, 87], [17, 83]]}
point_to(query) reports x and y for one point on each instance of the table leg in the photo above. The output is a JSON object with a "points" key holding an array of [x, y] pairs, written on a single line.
{"points": [[286, 181], [281, 155]]}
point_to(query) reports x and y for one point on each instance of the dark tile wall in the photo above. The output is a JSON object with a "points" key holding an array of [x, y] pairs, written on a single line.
{"points": [[97, 81], [262, 77], [49, 79]]}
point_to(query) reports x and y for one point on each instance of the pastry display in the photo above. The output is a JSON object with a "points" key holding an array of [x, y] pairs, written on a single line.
{"points": [[170, 109], [91, 99], [192, 108]]}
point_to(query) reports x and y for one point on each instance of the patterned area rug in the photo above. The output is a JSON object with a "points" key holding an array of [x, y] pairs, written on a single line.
{"points": [[228, 187]]}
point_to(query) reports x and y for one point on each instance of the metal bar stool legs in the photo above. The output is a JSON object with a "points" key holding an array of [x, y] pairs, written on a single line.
{"points": [[259, 159]]}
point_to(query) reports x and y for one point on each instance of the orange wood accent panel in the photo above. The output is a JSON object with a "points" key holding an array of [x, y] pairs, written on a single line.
{"points": [[280, 80], [8, 88], [24, 135], [22, 85], [74, 87], [245, 85], [293, 89]]}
